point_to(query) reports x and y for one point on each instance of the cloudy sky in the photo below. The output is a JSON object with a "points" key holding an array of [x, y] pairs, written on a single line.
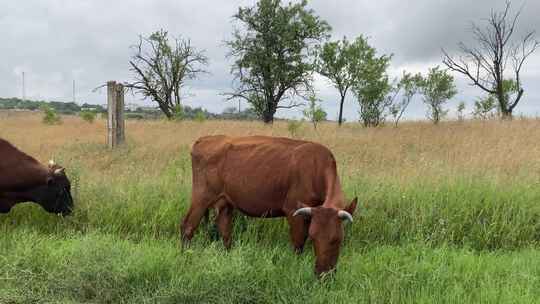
{"points": [[55, 42]]}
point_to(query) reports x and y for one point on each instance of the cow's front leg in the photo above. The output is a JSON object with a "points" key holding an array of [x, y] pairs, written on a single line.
{"points": [[190, 223], [298, 229]]}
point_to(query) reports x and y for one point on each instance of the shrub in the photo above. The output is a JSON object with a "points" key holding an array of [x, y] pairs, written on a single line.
{"points": [[199, 116], [314, 112], [293, 126], [88, 116], [178, 113], [485, 107], [50, 117]]}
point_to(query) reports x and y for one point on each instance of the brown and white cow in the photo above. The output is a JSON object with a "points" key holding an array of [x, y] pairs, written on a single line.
{"points": [[271, 177], [24, 179]]}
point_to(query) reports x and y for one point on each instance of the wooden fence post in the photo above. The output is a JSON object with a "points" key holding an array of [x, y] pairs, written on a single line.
{"points": [[115, 113]]}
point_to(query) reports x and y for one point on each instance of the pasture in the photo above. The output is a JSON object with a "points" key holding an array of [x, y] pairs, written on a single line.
{"points": [[447, 214]]}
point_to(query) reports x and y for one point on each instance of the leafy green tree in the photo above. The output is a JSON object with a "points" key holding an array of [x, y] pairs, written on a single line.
{"points": [[372, 87], [485, 107], [461, 111], [273, 53], [162, 67], [410, 86], [314, 112], [437, 88], [338, 62]]}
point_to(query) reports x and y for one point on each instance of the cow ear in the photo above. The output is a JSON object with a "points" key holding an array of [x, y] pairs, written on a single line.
{"points": [[352, 206]]}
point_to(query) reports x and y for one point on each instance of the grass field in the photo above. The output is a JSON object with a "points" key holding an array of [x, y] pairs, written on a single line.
{"points": [[448, 214]]}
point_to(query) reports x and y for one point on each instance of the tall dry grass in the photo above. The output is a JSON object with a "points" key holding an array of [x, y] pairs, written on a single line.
{"points": [[499, 149]]}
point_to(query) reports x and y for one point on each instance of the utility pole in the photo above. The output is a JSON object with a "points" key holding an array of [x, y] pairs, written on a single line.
{"points": [[23, 88], [74, 100]]}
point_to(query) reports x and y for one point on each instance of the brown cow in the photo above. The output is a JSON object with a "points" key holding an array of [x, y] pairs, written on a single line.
{"points": [[24, 179], [271, 177]]}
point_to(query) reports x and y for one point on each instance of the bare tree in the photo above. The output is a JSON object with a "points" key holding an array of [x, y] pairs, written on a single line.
{"points": [[161, 69], [486, 63]]}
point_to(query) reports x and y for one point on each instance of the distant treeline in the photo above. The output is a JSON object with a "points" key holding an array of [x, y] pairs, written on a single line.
{"points": [[31, 105], [71, 108]]}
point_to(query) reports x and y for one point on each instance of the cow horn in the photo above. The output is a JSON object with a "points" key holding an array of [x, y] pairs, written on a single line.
{"points": [[306, 211], [59, 171], [344, 215]]}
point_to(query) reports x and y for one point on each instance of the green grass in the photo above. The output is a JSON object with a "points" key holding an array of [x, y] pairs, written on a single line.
{"points": [[457, 239], [104, 268]]}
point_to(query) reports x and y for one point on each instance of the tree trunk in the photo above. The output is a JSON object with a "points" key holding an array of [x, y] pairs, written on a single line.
{"points": [[340, 117], [436, 115], [506, 114], [269, 112], [166, 111], [268, 115], [268, 118]]}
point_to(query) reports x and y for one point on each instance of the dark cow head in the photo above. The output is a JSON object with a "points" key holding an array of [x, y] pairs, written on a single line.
{"points": [[326, 232], [55, 195]]}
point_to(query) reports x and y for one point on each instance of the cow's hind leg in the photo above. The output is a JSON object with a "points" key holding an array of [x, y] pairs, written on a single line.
{"points": [[298, 229], [224, 223]]}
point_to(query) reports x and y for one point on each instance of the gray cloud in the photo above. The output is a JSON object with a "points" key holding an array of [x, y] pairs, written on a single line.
{"points": [[56, 41], [416, 30]]}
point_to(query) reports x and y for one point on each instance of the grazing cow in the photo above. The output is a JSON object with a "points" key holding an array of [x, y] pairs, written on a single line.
{"points": [[271, 177], [24, 179]]}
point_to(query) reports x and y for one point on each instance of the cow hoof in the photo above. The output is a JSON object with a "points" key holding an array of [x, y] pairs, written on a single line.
{"points": [[184, 243]]}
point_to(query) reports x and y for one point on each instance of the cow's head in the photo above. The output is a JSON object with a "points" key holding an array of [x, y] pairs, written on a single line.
{"points": [[55, 195], [326, 232]]}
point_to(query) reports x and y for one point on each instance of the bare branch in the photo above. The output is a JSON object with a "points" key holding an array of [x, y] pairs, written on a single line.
{"points": [[463, 68], [486, 64], [290, 106], [98, 88]]}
